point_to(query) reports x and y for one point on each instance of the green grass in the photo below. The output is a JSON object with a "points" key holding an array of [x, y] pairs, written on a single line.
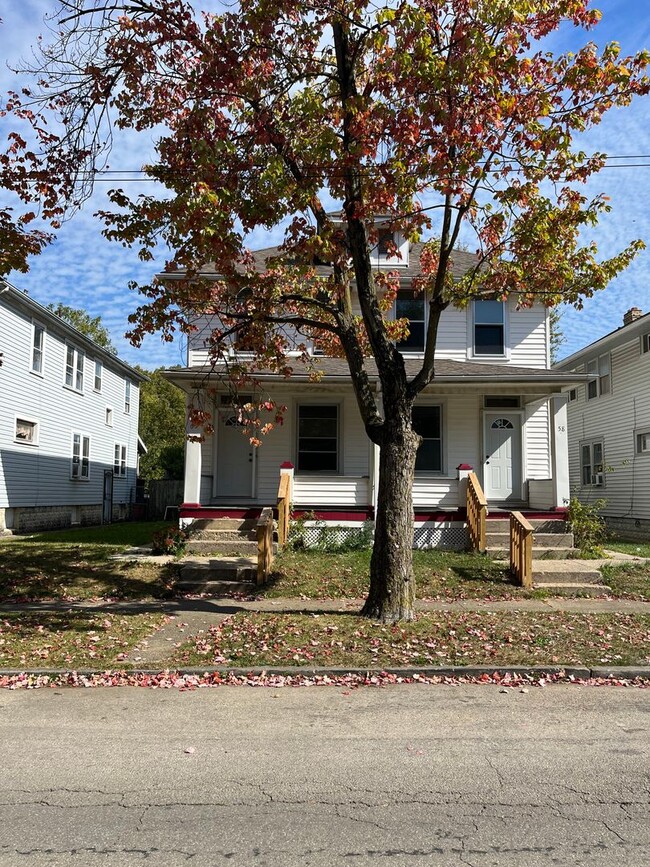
{"points": [[72, 639], [628, 580], [440, 638], [72, 565], [438, 575], [637, 549]]}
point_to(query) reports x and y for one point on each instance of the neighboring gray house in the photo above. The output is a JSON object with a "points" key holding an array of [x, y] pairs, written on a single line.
{"points": [[609, 424], [68, 422]]}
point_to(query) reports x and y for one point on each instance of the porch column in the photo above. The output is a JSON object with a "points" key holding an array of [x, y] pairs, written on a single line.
{"points": [[192, 487], [560, 450]]}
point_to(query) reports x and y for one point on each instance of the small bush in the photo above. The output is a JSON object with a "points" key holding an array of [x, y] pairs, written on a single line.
{"points": [[587, 526], [169, 540]]}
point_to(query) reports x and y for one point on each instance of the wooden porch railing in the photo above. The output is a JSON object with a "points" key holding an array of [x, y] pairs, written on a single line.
{"points": [[521, 550], [476, 513], [284, 509], [264, 544]]}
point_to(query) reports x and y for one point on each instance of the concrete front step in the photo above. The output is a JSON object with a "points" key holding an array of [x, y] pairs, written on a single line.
{"points": [[565, 572], [564, 588], [224, 535], [539, 525], [237, 574], [540, 540], [503, 553], [224, 524], [235, 547]]}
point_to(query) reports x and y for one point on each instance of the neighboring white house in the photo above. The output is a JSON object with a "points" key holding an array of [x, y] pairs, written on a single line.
{"points": [[68, 422], [609, 424], [494, 405]]}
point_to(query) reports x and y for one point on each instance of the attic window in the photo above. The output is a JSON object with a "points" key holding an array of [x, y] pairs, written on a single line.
{"points": [[385, 243]]}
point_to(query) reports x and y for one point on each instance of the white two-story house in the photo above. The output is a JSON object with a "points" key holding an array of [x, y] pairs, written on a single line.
{"points": [[609, 424], [494, 405], [68, 422]]}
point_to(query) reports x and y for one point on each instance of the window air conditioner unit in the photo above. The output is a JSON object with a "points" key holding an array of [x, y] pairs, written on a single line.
{"points": [[597, 480]]}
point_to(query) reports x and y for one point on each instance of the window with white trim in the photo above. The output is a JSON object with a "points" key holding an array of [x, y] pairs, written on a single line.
{"points": [[412, 306], [38, 341], [80, 463], [642, 440], [26, 431], [119, 460], [109, 416], [127, 397], [601, 368], [97, 384], [427, 421], [74, 368], [591, 464], [489, 328], [318, 438]]}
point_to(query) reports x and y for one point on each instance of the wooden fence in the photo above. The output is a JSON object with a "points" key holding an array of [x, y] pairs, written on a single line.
{"points": [[163, 493]]}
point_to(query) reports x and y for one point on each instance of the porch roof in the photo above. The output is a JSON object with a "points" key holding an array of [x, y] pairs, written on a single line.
{"points": [[336, 370]]}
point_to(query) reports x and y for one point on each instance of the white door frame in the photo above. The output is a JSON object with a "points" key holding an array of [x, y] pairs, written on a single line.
{"points": [[498, 412], [215, 452]]}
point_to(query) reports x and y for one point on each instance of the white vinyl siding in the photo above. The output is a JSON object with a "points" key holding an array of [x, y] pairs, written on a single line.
{"points": [[615, 421], [32, 476]]}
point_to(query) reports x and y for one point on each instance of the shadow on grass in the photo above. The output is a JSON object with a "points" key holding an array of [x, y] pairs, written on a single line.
{"points": [[33, 571]]}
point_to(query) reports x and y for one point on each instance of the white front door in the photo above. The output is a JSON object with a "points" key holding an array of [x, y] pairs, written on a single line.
{"points": [[235, 457], [502, 467]]}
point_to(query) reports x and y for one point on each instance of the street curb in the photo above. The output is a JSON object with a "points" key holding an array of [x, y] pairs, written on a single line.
{"points": [[474, 671]]}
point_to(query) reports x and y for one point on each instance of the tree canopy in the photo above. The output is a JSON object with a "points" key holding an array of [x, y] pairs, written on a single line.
{"points": [[89, 325], [161, 427], [429, 117]]}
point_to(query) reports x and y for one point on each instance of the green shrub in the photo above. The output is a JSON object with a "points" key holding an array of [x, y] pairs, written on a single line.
{"points": [[326, 539], [588, 527]]}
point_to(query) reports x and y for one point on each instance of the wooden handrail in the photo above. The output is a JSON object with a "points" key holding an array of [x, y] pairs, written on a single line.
{"points": [[284, 509], [521, 550], [476, 514], [264, 544]]}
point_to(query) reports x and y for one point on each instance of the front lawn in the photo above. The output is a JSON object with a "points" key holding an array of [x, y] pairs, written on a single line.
{"points": [[72, 639], [438, 575], [71, 565], [637, 549], [440, 638], [628, 580]]}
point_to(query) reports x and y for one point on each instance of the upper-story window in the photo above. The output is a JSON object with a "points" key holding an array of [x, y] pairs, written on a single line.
{"points": [[127, 397], [74, 368], [645, 343], [413, 307], [38, 341], [602, 370], [97, 385], [489, 328]]}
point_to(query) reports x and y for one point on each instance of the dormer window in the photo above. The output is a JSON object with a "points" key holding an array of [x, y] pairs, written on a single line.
{"points": [[386, 242]]}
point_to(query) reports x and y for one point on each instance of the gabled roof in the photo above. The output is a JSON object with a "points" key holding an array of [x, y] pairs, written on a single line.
{"points": [[32, 308], [618, 337]]}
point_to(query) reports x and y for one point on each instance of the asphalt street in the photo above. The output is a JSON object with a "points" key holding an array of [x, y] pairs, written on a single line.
{"points": [[405, 775]]}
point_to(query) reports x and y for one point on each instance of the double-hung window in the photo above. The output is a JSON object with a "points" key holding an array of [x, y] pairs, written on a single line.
{"points": [[602, 383], [427, 421], [412, 306], [38, 340], [119, 460], [80, 463], [74, 368], [97, 384], [645, 343], [489, 328], [591, 463], [127, 397], [318, 438]]}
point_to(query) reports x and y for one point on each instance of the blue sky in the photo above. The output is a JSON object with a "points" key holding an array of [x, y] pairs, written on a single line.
{"points": [[84, 270]]}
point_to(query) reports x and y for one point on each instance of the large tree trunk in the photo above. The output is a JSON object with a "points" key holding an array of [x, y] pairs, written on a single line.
{"points": [[392, 585]]}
